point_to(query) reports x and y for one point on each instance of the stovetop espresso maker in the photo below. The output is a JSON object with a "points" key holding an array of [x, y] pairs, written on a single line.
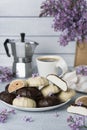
{"points": [[22, 51]]}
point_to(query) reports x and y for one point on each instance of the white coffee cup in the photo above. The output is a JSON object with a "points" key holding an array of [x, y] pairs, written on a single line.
{"points": [[49, 64]]}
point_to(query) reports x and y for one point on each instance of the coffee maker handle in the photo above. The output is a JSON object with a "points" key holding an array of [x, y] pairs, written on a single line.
{"points": [[6, 47]]}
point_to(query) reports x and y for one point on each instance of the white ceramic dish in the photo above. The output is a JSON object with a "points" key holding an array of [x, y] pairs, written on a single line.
{"points": [[35, 109]]}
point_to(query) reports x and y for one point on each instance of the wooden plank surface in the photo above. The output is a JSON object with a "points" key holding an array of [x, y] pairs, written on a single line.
{"points": [[20, 7], [46, 45], [32, 26]]}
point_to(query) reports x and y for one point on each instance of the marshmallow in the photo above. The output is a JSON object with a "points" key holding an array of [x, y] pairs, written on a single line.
{"points": [[77, 110], [58, 81]]}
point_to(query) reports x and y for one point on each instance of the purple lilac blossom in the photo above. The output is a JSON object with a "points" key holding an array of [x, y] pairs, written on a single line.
{"points": [[18, 96], [70, 15], [12, 111], [57, 114], [3, 118], [4, 114], [76, 122], [35, 75], [79, 103], [81, 70], [28, 119], [5, 74]]}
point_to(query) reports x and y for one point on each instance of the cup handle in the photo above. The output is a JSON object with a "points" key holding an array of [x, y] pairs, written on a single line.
{"points": [[63, 66]]}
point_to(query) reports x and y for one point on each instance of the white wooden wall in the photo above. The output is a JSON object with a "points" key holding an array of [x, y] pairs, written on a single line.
{"points": [[18, 16]]}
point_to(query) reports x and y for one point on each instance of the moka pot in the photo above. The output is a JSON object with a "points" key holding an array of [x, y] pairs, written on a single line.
{"points": [[22, 51]]}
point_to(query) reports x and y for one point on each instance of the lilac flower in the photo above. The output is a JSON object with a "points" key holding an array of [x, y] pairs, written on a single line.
{"points": [[18, 96], [76, 122], [12, 111], [5, 74], [70, 15], [35, 75], [28, 119], [79, 103], [70, 119], [3, 118], [57, 115], [5, 114], [81, 70]]}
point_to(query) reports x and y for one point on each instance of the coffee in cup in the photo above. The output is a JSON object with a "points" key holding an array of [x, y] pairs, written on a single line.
{"points": [[48, 59], [51, 64]]}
